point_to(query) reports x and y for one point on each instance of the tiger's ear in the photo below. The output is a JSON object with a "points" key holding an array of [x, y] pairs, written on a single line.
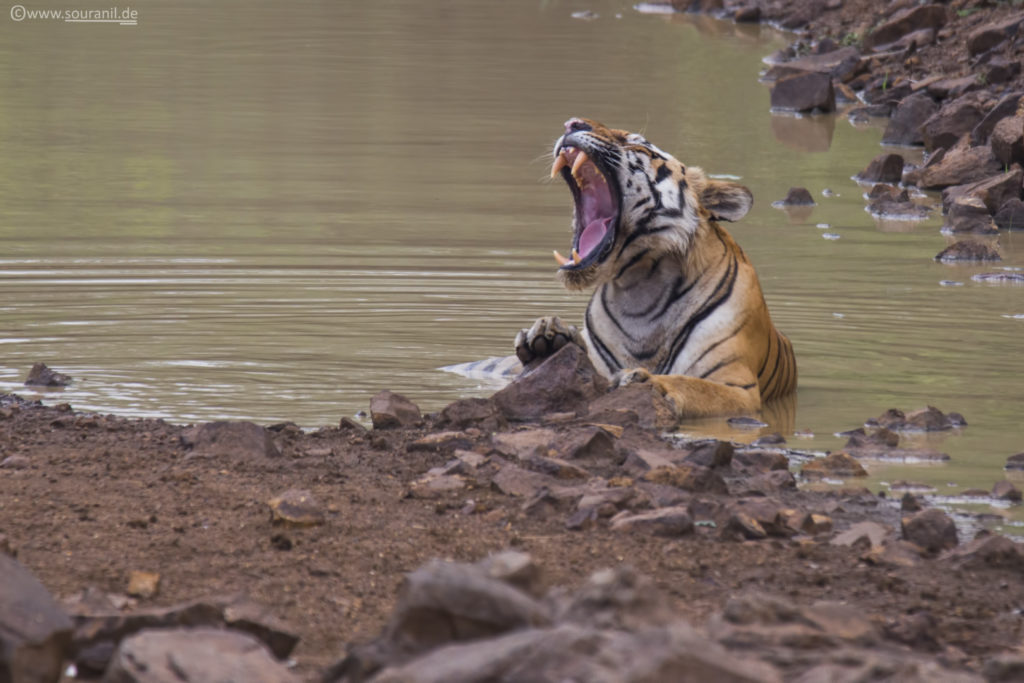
{"points": [[726, 201]]}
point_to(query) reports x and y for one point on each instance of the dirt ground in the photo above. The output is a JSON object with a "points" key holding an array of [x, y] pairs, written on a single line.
{"points": [[86, 499]]}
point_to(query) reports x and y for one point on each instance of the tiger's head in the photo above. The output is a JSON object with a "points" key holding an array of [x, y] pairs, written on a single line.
{"points": [[630, 197]]}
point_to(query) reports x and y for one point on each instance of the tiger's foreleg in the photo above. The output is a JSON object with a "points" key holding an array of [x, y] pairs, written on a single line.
{"points": [[547, 335], [695, 397]]}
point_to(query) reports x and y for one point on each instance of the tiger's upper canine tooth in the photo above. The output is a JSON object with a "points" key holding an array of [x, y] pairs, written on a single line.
{"points": [[559, 164], [579, 161], [575, 257], [561, 259]]}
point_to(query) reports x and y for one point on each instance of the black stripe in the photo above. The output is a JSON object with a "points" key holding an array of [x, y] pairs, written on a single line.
{"points": [[745, 387], [720, 341], [678, 292], [608, 312], [632, 262], [663, 172], [602, 350], [778, 359], [767, 355], [718, 366]]}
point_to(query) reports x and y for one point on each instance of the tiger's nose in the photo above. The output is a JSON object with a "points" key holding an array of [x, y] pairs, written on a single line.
{"points": [[575, 124]]}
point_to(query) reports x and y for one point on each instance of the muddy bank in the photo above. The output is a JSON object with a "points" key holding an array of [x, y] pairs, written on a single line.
{"points": [[296, 544]]}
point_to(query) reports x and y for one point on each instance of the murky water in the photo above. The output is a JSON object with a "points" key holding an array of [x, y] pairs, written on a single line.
{"points": [[271, 211]]}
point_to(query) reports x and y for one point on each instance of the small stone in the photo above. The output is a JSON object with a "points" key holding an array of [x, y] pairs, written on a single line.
{"points": [[931, 529], [482, 413], [295, 507], [904, 127], [933, 16], [670, 521], [389, 410], [144, 585], [909, 503], [968, 251], [231, 440], [885, 168], [986, 37], [894, 553], [441, 441], [515, 568], [1010, 215], [42, 376], [757, 460], [713, 454], [688, 478], [991, 551], [741, 525], [838, 464], [862, 534], [1004, 490], [565, 381], [798, 196], [816, 524], [436, 486]]}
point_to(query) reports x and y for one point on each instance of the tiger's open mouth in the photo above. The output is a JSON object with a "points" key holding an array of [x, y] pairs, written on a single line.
{"points": [[597, 208]]}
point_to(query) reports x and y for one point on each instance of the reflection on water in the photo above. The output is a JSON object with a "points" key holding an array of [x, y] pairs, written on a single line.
{"points": [[271, 211]]}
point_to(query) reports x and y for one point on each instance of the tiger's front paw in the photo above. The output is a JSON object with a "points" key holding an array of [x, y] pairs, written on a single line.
{"points": [[546, 336], [624, 378]]}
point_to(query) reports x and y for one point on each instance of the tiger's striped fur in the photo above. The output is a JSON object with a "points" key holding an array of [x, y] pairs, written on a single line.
{"points": [[676, 301]]}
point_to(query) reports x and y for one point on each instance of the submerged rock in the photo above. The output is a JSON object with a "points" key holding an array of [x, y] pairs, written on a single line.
{"points": [[885, 168], [968, 250], [904, 127], [803, 92], [797, 196], [840, 465], [42, 376]]}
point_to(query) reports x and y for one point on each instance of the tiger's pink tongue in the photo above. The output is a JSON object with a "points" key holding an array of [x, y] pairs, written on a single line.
{"points": [[592, 235]]}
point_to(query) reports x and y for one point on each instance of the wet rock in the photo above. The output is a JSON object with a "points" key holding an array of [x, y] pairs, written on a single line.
{"points": [[904, 128], [35, 633], [1015, 462], [1006, 141], [968, 214], [880, 438], [230, 440], [1010, 215], [960, 165], [835, 63], [797, 196], [144, 585], [930, 529], [688, 478], [757, 460], [635, 404], [929, 419], [991, 551], [952, 121], [968, 250], [863, 535], [838, 465], [749, 14], [907, 21], [713, 454], [481, 413], [885, 168], [194, 654], [909, 503], [389, 410], [1004, 490], [746, 422], [670, 521], [804, 92], [1006, 106], [897, 207], [565, 381], [42, 376], [1004, 278], [773, 439], [295, 507], [986, 37], [993, 191]]}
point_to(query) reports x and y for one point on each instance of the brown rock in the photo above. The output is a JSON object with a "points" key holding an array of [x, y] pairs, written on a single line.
{"points": [[838, 464], [880, 438], [742, 526], [688, 478], [143, 584], [1006, 141], [525, 443], [481, 413], [1004, 490], [863, 534], [772, 482], [515, 481], [194, 654], [885, 168], [565, 381], [595, 445], [1005, 107], [1001, 70], [968, 214], [991, 551], [635, 404], [515, 568], [968, 250], [35, 634], [42, 376], [993, 191], [295, 507], [441, 442], [713, 454], [804, 92], [230, 439], [437, 486], [908, 503], [986, 37], [556, 467], [932, 529], [1010, 215], [960, 165], [797, 196], [1015, 462], [904, 127], [906, 21], [670, 521], [836, 63], [952, 121], [389, 410], [757, 460], [894, 553]]}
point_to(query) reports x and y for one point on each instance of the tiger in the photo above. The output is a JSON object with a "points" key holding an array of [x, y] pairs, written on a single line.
{"points": [[676, 303]]}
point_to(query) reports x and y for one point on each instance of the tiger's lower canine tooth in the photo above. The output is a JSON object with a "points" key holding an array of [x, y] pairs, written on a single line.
{"points": [[561, 259], [559, 164], [575, 257], [579, 161]]}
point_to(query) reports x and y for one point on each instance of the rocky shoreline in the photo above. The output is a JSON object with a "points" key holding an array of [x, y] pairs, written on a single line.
{"points": [[578, 542]]}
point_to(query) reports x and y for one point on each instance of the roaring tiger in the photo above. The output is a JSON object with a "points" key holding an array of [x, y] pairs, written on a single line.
{"points": [[677, 304]]}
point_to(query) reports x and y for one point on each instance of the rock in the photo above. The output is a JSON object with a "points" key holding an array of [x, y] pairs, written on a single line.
{"points": [[885, 168], [880, 438], [797, 196], [35, 633], [836, 64], [247, 616], [1004, 278], [436, 486], [907, 21], [757, 460], [908, 503], [230, 440], [42, 376], [742, 526], [295, 507], [771, 624], [1004, 490], [594, 445], [1004, 668], [523, 444], [1006, 106], [143, 584], [838, 464], [900, 208], [194, 654], [960, 165], [968, 214], [993, 191], [482, 413], [670, 521], [904, 127], [769, 515], [1010, 215], [991, 551], [441, 442], [688, 478], [772, 482], [986, 37], [750, 14], [515, 481], [932, 529], [713, 454], [863, 534], [1001, 70], [929, 419], [516, 569], [968, 250], [639, 404], [894, 553], [556, 467], [1006, 141], [565, 381], [389, 410], [804, 92], [952, 121], [1015, 462]]}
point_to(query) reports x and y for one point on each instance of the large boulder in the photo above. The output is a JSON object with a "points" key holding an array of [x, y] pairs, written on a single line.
{"points": [[804, 92], [952, 121], [904, 127], [931, 529], [565, 382], [35, 634]]}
